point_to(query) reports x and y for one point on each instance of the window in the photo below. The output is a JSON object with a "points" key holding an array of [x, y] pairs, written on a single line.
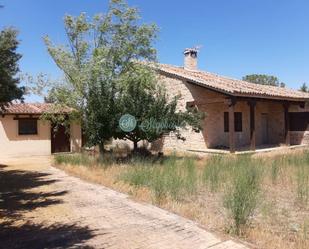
{"points": [[237, 121], [27, 127], [226, 122], [299, 121]]}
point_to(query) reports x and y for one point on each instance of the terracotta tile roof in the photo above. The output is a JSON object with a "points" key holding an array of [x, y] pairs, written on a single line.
{"points": [[233, 87], [33, 108]]}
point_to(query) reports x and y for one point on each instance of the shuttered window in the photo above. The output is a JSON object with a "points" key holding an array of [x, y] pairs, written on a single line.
{"points": [[299, 121], [237, 121], [27, 126]]}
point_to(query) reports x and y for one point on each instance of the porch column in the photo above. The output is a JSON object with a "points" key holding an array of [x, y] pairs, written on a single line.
{"points": [[231, 104], [286, 106], [252, 105]]}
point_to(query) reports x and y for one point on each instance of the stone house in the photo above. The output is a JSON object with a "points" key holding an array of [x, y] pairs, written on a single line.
{"points": [[240, 115], [23, 133]]}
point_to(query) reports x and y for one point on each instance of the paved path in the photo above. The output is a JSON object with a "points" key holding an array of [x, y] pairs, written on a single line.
{"points": [[46, 208]]}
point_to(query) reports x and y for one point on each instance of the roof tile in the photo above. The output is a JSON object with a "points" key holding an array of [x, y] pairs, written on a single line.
{"points": [[233, 87], [33, 108]]}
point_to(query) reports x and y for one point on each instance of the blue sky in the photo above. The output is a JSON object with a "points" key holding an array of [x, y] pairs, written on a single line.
{"points": [[238, 37]]}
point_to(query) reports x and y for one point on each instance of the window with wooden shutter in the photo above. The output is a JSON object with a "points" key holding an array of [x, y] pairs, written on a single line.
{"points": [[27, 126], [226, 122], [237, 121], [299, 121]]}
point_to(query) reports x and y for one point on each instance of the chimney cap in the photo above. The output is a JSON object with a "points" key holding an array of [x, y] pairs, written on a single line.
{"points": [[190, 51]]}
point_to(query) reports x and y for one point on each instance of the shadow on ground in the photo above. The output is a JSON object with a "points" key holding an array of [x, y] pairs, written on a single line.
{"points": [[17, 198], [38, 236]]}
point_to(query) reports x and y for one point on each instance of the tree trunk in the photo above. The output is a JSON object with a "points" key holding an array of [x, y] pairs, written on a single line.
{"points": [[101, 148], [134, 146]]}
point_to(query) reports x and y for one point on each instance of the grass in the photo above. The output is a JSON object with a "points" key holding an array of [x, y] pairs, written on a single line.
{"points": [[264, 199], [302, 179], [211, 174], [242, 194], [171, 179]]}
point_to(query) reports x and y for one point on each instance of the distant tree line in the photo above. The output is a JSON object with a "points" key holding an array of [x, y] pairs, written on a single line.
{"points": [[270, 80], [264, 79]]}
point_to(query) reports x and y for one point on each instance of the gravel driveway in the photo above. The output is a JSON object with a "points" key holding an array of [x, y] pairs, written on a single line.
{"points": [[43, 207]]}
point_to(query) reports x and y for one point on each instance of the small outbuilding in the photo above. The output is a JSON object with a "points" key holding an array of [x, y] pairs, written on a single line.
{"points": [[24, 133]]}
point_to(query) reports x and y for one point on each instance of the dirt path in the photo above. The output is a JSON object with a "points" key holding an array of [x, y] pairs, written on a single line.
{"points": [[43, 207]]}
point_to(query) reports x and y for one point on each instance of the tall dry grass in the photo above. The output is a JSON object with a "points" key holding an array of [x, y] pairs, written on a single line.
{"points": [[263, 199]]}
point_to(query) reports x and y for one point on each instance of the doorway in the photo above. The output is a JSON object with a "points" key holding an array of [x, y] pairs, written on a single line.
{"points": [[264, 128], [60, 139]]}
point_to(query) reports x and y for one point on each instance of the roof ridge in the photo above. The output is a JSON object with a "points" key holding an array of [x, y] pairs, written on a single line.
{"points": [[32, 105], [225, 77], [232, 85]]}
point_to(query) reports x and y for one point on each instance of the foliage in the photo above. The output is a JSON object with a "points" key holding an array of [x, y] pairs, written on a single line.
{"points": [[302, 180], [76, 159], [238, 181], [9, 89], [104, 78], [156, 113], [304, 87], [98, 53], [212, 173], [175, 178], [263, 79], [242, 196], [274, 172]]}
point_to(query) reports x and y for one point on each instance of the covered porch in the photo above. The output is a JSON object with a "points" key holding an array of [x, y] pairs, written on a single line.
{"points": [[254, 125]]}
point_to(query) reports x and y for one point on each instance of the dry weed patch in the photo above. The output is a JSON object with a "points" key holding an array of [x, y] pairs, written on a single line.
{"points": [[261, 199]]}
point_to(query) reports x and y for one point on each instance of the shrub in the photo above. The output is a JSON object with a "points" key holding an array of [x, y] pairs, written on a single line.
{"points": [[158, 186], [190, 177], [242, 195], [211, 173], [302, 178], [75, 159], [274, 171], [172, 177], [138, 175]]}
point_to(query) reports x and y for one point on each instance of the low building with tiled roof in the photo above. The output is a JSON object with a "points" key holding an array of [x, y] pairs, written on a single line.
{"points": [[240, 114], [34, 108], [24, 133]]}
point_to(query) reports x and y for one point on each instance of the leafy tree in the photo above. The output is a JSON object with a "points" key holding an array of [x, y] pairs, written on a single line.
{"points": [[143, 97], [99, 66], [9, 89], [304, 87], [99, 51], [263, 79]]}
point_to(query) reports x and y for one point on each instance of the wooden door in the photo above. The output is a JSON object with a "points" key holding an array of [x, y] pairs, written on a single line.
{"points": [[264, 125], [60, 139]]}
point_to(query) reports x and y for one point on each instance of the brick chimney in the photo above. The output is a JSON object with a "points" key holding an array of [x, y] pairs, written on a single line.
{"points": [[190, 62]]}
